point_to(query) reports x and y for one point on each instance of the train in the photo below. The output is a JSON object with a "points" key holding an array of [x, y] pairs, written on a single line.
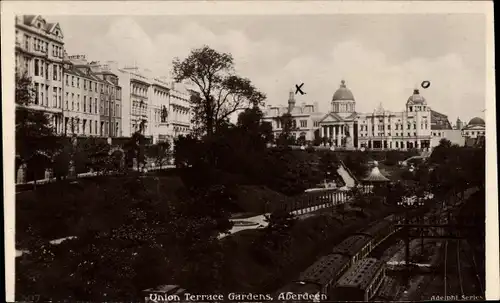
{"points": [[361, 282], [332, 275]]}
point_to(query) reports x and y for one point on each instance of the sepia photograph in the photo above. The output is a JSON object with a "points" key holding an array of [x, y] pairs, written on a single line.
{"points": [[235, 151]]}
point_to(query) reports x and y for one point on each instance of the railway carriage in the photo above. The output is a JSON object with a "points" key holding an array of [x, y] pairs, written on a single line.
{"points": [[355, 247], [378, 232], [388, 291], [326, 271], [297, 287], [361, 282], [319, 277]]}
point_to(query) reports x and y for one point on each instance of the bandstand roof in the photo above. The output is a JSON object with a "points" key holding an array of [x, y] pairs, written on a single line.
{"points": [[375, 175]]}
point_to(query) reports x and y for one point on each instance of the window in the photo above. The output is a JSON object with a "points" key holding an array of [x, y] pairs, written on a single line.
{"points": [[78, 82], [414, 126], [72, 101], [26, 42], [303, 123], [90, 127], [85, 84], [54, 75], [95, 106], [78, 102], [67, 80], [411, 108], [36, 68], [95, 126], [37, 92], [73, 81], [47, 71], [389, 127], [90, 104], [66, 100], [54, 97], [84, 103]]}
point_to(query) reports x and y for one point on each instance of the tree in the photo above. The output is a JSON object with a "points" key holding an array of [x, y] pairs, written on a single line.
{"points": [[277, 234], [222, 92], [135, 149], [357, 162], [34, 133], [286, 137], [329, 164], [160, 153], [251, 126], [92, 154], [317, 138]]}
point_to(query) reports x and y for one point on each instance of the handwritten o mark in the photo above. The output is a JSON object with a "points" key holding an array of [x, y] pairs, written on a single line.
{"points": [[425, 84]]}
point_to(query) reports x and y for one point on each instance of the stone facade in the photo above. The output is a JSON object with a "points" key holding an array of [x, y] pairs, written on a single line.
{"points": [[305, 118], [417, 126], [39, 55]]}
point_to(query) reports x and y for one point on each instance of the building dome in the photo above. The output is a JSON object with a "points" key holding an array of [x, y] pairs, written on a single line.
{"points": [[416, 98], [476, 121], [343, 93]]}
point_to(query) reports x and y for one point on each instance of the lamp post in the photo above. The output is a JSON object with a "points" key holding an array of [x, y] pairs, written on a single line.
{"points": [[408, 203]]}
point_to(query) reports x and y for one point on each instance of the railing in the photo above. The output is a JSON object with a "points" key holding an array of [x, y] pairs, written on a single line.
{"points": [[311, 201]]}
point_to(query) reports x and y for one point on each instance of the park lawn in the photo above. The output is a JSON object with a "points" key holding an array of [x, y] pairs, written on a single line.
{"points": [[64, 209]]}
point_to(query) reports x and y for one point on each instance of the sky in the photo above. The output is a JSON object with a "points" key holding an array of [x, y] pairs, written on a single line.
{"points": [[382, 58]]}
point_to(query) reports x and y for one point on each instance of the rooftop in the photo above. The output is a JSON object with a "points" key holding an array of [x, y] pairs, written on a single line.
{"points": [[325, 269], [476, 121], [375, 175], [361, 274], [343, 93], [416, 98], [351, 245], [375, 228]]}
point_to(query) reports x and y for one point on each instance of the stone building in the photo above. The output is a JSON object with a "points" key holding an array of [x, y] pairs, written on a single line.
{"points": [[475, 128], [81, 98], [180, 110], [417, 126], [160, 103], [381, 129], [157, 107], [39, 51], [111, 104], [305, 118]]}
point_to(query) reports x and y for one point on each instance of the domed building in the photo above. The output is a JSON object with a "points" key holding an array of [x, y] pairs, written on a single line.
{"points": [[475, 128], [344, 127], [417, 126], [337, 127]]}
